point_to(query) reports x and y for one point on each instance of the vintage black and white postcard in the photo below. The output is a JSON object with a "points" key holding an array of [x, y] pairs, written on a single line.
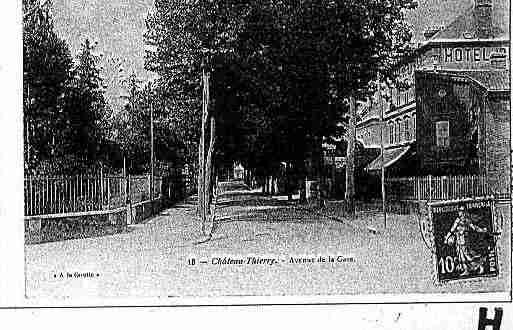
{"points": [[266, 151]]}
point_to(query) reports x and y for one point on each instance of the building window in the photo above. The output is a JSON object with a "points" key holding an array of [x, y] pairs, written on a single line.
{"points": [[398, 131], [411, 94], [407, 135], [391, 133], [442, 134]]}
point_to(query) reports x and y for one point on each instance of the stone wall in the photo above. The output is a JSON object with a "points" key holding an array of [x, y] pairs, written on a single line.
{"points": [[48, 229]]}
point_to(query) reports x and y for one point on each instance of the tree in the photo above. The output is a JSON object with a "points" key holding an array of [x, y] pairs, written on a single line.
{"points": [[64, 105], [86, 105], [282, 72], [127, 121], [190, 38], [302, 63], [131, 127], [374, 35], [47, 65]]}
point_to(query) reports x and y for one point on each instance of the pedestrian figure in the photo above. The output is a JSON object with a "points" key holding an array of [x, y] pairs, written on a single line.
{"points": [[469, 260]]}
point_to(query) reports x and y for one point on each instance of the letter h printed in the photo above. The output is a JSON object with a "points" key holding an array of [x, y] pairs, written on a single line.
{"points": [[484, 321]]}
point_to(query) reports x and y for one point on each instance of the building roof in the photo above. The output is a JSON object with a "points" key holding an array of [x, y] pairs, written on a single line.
{"points": [[471, 25], [491, 80], [431, 13], [467, 27]]}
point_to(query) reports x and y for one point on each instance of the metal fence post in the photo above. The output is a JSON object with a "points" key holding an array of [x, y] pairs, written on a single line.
{"points": [[430, 183], [417, 190], [31, 199], [101, 187], [149, 187], [108, 193], [127, 196]]}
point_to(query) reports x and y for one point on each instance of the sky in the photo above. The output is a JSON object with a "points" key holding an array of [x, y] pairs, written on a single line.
{"points": [[118, 27]]}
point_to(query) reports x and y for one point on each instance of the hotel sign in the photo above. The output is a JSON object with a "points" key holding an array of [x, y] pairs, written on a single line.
{"points": [[469, 54]]}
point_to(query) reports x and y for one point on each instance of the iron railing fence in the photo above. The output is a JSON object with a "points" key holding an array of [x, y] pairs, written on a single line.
{"points": [[442, 188], [46, 195]]}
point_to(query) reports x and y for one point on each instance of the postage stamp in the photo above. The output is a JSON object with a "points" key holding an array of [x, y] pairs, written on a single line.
{"points": [[465, 237]]}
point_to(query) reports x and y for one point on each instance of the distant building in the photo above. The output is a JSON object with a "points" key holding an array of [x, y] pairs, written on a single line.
{"points": [[238, 172], [477, 40]]}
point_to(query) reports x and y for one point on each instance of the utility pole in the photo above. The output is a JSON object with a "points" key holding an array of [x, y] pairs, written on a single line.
{"points": [[152, 156], [27, 126], [382, 126], [350, 156]]}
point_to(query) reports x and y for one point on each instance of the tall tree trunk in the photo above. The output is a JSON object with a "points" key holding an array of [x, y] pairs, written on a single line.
{"points": [[201, 169], [200, 177], [350, 157], [317, 158], [286, 179], [209, 180], [302, 181]]}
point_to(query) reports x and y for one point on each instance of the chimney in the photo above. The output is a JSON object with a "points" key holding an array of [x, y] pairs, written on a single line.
{"points": [[432, 30], [483, 11], [498, 61]]}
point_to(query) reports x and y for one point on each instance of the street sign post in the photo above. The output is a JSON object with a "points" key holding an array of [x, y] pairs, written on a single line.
{"points": [[382, 145]]}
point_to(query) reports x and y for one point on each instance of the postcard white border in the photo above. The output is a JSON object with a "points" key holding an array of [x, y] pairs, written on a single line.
{"points": [[11, 214]]}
